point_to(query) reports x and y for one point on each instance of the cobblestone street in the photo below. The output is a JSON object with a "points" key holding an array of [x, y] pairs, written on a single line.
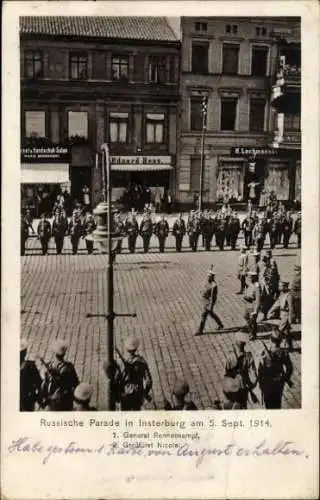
{"points": [[164, 290]]}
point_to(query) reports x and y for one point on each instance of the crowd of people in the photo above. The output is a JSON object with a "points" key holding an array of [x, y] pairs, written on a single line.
{"points": [[141, 197]]}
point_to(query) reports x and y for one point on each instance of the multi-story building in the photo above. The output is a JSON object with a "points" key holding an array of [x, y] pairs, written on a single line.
{"points": [[90, 80], [232, 62]]}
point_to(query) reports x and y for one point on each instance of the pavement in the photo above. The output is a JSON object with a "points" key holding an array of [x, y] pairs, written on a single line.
{"points": [[164, 290]]}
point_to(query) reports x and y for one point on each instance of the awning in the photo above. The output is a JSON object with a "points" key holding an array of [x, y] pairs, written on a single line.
{"points": [[44, 173], [139, 168]]}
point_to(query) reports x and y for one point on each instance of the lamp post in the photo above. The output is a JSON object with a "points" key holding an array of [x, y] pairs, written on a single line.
{"points": [[204, 109]]}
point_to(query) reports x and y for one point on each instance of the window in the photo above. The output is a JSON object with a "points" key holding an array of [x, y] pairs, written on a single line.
{"points": [[292, 122], [195, 173], [200, 58], [232, 29], [228, 113], [78, 124], [118, 127], [33, 64], [155, 128], [256, 121], [79, 66], [259, 61], [120, 68], [261, 31], [172, 70], [201, 26], [157, 70], [35, 124], [230, 59], [196, 113]]}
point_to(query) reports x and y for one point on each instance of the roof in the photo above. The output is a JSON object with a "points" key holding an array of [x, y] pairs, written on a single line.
{"points": [[130, 28]]}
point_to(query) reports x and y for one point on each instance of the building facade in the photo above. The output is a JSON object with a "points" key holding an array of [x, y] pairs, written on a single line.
{"points": [[233, 63], [94, 80]]}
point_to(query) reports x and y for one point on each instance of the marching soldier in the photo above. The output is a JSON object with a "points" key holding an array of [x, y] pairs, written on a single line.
{"points": [[44, 233], [75, 231], [119, 230], [287, 226], [242, 270], [193, 230], [240, 375], [59, 229], [297, 228], [247, 227], [284, 305], [233, 230], [24, 234], [146, 228], [30, 380], [209, 296], [81, 398], [252, 298], [136, 380], [88, 228], [60, 380], [161, 230], [253, 259], [178, 231], [131, 228], [179, 400], [274, 371]]}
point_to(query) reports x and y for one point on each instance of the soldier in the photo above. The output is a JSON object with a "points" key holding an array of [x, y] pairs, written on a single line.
{"points": [[131, 228], [161, 230], [274, 370], [296, 293], [207, 231], [247, 227], [136, 380], [297, 229], [233, 230], [24, 234], [88, 228], [252, 298], [44, 233], [193, 230], [221, 226], [146, 228], [76, 231], [119, 230], [258, 235], [242, 270], [178, 231], [209, 296], [81, 398], [30, 380], [60, 380], [287, 226], [273, 228], [272, 275], [284, 305], [253, 259], [59, 229], [29, 219], [178, 398], [113, 374], [240, 375]]}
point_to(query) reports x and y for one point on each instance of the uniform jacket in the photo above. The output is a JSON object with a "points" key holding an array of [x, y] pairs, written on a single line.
{"points": [[146, 227], [179, 227], [253, 296], [75, 229], [30, 385], [275, 368], [161, 229], [131, 227], [210, 295], [44, 229], [89, 226], [59, 227], [284, 304], [243, 262]]}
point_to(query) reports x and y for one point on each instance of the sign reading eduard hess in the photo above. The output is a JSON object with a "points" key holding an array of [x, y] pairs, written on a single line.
{"points": [[50, 154], [254, 151]]}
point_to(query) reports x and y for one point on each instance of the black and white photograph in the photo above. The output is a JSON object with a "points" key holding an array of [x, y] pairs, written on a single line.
{"points": [[161, 215]]}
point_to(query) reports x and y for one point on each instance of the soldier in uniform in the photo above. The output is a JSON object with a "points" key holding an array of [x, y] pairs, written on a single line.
{"points": [[284, 305], [44, 233], [24, 234], [178, 231], [135, 380], [131, 228], [247, 227], [60, 380], [119, 230], [297, 228], [242, 270], [274, 370], [76, 231], [296, 293], [30, 380], [221, 227], [240, 375], [113, 374], [252, 298], [258, 235], [287, 226], [161, 230], [273, 227], [207, 231], [88, 227], [233, 230], [193, 230], [209, 296], [81, 398], [179, 400], [146, 228], [59, 229]]}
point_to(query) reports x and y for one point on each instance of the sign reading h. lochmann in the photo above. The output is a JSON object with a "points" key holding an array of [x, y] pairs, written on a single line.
{"points": [[53, 154], [254, 151]]}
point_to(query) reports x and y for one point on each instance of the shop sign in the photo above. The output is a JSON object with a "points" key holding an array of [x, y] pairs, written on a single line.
{"points": [[51, 154], [140, 160], [254, 151]]}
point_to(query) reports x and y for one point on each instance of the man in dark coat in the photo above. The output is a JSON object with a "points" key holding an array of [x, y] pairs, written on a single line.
{"points": [[161, 230], [131, 229], [209, 296], [44, 233], [146, 229], [75, 231], [88, 227], [193, 230], [30, 380], [59, 229], [178, 231]]}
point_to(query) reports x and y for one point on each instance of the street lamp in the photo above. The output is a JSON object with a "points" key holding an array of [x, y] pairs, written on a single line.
{"points": [[204, 110]]}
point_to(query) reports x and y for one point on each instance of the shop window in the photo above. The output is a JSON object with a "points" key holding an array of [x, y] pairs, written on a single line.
{"points": [[120, 68], [259, 61], [33, 64], [78, 124], [230, 59], [200, 58], [79, 66], [118, 127], [256, 119], [228, 113], [35, 124], [195, 173], [157, 70], [231, 29], [292, 122], [201, 26], [196, 113], [155, 128]]}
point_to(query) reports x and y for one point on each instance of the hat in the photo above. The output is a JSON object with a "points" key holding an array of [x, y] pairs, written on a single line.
{"points": [[83, 392], [60, 347], [241, 338], [23, 345], [180, 388], [256, 253], [275, 335], [131, 344]]}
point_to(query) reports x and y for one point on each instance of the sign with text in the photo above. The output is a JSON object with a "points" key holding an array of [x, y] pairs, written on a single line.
{"points": [[50, 154], [254, 151], [140, 160]]}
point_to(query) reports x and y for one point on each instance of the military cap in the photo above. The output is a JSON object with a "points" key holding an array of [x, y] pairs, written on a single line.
{"points": [[83, 392], [252, 273], [241, 338], [60, 347], [131, 344], [23, 345], [256, 253], [180, 388], [275, 335]]}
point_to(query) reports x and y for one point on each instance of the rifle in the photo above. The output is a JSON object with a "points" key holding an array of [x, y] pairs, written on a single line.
{"points": [[127, 369]]}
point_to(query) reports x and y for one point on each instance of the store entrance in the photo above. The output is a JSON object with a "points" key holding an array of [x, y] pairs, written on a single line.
{"points": [[80, 177], [254, 181]]}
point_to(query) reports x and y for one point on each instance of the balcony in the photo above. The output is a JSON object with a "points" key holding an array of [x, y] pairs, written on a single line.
{"points": [[287, 140]]}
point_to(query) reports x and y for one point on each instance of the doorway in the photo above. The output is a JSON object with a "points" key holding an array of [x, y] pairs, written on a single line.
{"points": [[256, 176], [80, 177]]}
